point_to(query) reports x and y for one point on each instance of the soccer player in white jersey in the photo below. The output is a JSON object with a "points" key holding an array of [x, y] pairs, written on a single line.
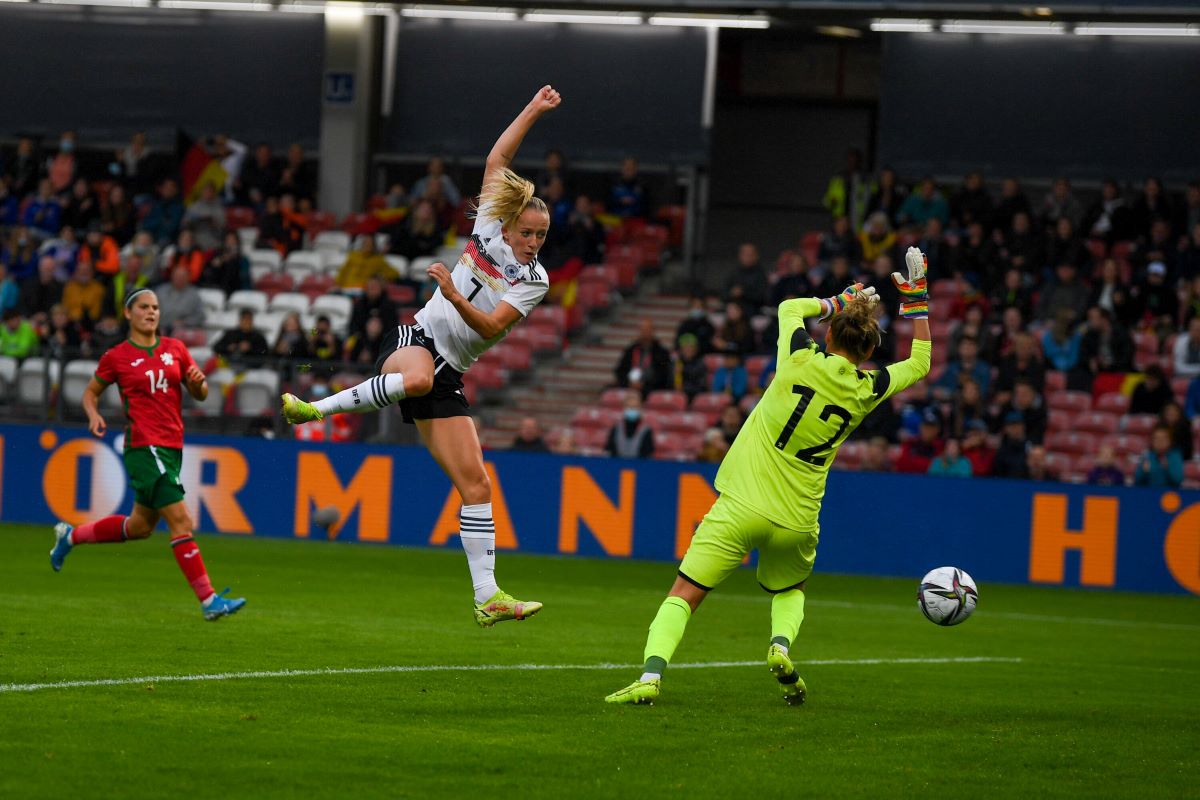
{"points": [[494, 285]]}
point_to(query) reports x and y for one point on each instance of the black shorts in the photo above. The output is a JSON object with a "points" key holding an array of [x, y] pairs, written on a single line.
{"points": [[446, 398]]}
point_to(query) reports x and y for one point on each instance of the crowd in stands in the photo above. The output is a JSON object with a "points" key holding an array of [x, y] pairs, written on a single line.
{"points": [[1066, 328]]}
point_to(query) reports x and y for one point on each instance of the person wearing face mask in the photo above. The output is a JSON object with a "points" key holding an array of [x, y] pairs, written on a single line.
{"points": [[60, 169], [696, 324], [630, 437]]}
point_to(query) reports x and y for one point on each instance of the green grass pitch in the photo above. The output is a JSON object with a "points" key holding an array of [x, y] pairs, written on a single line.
{"points": [[1103, 701]]}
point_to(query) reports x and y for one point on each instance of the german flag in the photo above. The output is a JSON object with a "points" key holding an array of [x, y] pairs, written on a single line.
{"points": [[196, 167]]}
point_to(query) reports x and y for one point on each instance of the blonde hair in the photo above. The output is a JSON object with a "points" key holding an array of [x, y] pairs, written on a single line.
{"points": [[506, 196], [855, 329]]}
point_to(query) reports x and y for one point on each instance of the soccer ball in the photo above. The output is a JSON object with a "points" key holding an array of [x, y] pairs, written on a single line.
{"points": [[947, 596]]}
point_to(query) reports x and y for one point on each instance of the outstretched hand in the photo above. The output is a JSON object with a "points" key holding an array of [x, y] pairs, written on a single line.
{"points": [[546, 99], [441, 275], [917, 263], [914, 292], [835, 304]]}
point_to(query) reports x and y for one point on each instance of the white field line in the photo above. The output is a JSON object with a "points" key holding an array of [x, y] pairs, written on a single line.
{"points": [[1117, 623], [304, 673]]}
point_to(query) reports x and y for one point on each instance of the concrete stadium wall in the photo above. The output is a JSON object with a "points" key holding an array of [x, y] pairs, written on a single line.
{"points": [[999, 531]]}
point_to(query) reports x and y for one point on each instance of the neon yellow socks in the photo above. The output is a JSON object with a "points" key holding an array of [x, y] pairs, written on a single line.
{"points": [[787, 612], [666, 631]]}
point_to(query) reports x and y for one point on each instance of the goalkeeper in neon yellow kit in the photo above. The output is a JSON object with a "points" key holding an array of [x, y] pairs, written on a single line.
{"points": [[773, 478]]}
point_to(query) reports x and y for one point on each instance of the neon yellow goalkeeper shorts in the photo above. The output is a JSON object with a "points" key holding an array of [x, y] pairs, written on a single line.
{"points": [[730, 530]]}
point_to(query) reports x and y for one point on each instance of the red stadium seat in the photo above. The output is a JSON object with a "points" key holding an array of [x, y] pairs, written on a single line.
{"points": [[1101, 422], [1060, 463], [192, 337], [755, 366], [240, 217], [676, 219], [656, 419], [487, 376], [1098, 249], [667, 401], [1147, 342], [594, 295], [321, 221], [1139, 424], [615, 398], [1179, 386], [355, 224], [1075, 402], [748, 403], [1113, 403], [589, 439], [1191, 473], [1071, 442], [1126, 444], [273, 283], [595, 417], [555, 316], [1056, 381], [711, 404], [712, 361], [810, 245], [686, 422], [1057, 420]]}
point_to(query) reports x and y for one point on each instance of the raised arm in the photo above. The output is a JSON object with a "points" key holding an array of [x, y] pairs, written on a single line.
{"points": [[792, 333], [505, 149], [914, 305]]}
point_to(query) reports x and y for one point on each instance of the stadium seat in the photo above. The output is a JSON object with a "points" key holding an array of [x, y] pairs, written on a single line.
{"points": [[555, 316], [1113, 403], [1126, 444], [355, 224], [257, 393], [398, 263], [1060, 463], [76, 376], [594, 295], [301, 264], [8, 375], [266, 257], [1057, 420], [1056, 381], [1138, 424], [273, 283], [214, 405], [401, 295], [316, 285], [408, 315], [321, 221], [686, 422], [238, 217], [1147, 342], [260, 271], [1073, 442], [1191, 473], [545, 340], [615, 398], [289, 301], [657, 420], [247, 237], [217, 323], [595, 417], [252, 299], [1101, 422], [666, 400], [268, 324], [1075, 402], [201, 354], [712, 361], [190, 336], [755, 366], [747, 403], [418, 268], [337, 307], [710, 404], [515, 356], [590, 440], [1179, 387], [32, 388], [211, 299], [486, 375]]}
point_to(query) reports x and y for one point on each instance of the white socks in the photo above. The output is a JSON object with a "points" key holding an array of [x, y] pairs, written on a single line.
{"points": [[370, 395], [650, 676], [478, 535]]}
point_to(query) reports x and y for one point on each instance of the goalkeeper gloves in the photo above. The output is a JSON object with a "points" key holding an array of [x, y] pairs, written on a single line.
{"points": [[914, 294], [835, 304]]}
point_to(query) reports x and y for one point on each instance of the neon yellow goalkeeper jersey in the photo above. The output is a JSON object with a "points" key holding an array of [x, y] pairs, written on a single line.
{"points": [[780, 459]]}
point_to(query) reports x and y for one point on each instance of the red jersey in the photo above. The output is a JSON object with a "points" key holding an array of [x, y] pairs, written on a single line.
{"points": [[151, 383]]}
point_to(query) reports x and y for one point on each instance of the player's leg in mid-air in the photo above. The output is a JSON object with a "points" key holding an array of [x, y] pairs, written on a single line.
{"points": [[406, 372], [454, 444]]}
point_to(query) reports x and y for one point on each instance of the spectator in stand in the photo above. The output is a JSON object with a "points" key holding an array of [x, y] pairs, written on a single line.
{"points": [[64, 249], [691, 373], [1036, 467], [1162, 466], [697, 325], [417, 234], [82, 207], [794, 282], [888, 195], [1152, 393], [966, 365], [10, 206], [83, 297], [1010, 460], [101, 252], [1061, 202], [364, 262], [364, 345], [1024, 363], [564, 443], [917, 454], [1189, 255], [1173, 419], [838, 276], [43, 214], [938, 252], [976, 449], [1012, 201], [1186, 355], [1024, 248], [875, 456], [279, 227], [243, 344], [1028, 403], [228, 269], [736, 331], [630, 437], [951, 463], [298, 176], [714, 448], [730, 423], [1064, 247], [20, 254], [1104, 471], [1191, 300], [61, 337], [1156, 301], [1061, 343], [976, 259], [205, 217], [969, 405], [166, 213], [748, 284], [61, 168], [178, 302], [645, 365], [1011, 326], [554, 166], [1065, 293], [188, 253], [10, 292], [730, 378], [558, 203], [839, 241], [1191, 405], [26, 168], [926, 202], [152, 258], [876, 238], [971, 204], [1106, 345], [1109, 218], [529, 437], [106, 334], [373, 301], [129, 278], [1190, 216], [118, 218], [974, 326], [323, 343], [18, 338], [586, 235], [41, 291], [134, 168], [1013, 294], [1152, 204], [1112, 295], [436, 173], [848, 193], [260, 177], [291, 342], [628, 197]]}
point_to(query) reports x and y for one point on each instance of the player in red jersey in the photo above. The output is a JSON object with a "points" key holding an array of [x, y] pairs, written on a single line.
{"points": [[150, 372]]}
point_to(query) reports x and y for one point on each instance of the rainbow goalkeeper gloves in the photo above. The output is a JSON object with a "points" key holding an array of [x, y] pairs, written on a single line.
{"points": [[835, 304], [914, 293]]}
